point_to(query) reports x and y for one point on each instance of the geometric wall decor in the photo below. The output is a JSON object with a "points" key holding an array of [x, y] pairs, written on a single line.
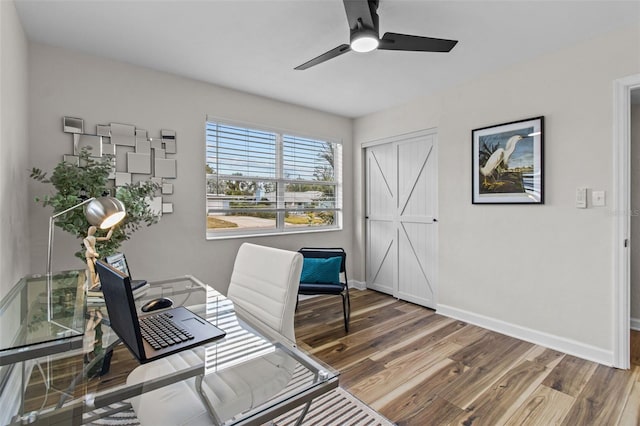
{"points": [[135, 156], [167, 188]]}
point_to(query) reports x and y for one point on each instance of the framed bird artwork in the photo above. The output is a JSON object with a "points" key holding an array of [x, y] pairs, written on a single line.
{"points": [[508, 163]]}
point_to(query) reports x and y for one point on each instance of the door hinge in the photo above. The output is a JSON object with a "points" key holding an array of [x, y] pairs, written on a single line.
{"points": [[626, 242]]}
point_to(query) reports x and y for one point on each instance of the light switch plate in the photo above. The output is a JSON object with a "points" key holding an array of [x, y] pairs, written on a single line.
{"points": [[581, 198]]}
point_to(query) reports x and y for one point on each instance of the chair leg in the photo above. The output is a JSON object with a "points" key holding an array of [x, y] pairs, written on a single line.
{"points": [[346, 309], [348, 306], [205, 401]]}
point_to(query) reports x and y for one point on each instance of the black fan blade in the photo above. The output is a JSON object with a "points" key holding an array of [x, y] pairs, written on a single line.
{"points": [[343, 48], [363, 10], [394, 41]]}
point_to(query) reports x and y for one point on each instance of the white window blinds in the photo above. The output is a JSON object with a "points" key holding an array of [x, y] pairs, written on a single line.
{"points": [[307, 159], [236, 151], [262, 181]]}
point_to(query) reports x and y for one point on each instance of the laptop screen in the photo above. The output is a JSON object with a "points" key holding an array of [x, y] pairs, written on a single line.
{"points": [[118, 297]]}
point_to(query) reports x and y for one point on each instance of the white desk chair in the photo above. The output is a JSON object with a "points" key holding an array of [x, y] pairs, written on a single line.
{"points": [[264, 282]]}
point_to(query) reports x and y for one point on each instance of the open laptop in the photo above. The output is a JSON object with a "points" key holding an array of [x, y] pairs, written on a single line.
{"points": [[119, 261], [118, 296]]}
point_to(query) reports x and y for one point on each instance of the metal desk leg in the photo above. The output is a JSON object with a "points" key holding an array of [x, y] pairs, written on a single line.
{"points": [[107, 356], [303, 413], [308, 404]]}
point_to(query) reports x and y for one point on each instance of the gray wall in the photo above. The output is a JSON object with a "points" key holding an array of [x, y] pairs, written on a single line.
{"points": [[539, 272], [14, 230], [64, 83]]}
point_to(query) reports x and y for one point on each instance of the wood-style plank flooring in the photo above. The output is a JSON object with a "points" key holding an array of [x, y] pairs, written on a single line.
{"points": [[420, 368], [635, 347]]}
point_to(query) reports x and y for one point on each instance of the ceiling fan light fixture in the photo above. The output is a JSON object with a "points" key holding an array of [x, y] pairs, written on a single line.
{"points": [[364, 35], [364, 43]]}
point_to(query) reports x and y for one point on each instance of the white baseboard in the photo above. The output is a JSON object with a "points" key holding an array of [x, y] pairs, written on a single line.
{"points": [[358, 285], [561, 344], [635, 324]]}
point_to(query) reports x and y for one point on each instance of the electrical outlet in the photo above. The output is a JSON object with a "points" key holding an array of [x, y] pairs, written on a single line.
{"points": [[598, 199]]}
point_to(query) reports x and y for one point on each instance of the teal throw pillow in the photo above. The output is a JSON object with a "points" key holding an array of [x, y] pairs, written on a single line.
{"points": [[321, 270]]}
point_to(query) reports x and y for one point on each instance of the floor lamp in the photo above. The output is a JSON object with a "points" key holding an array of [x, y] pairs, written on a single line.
{"points": [[103, 212]]}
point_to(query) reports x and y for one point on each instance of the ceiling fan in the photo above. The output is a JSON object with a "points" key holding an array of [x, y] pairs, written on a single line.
{"points": [[365, 36]]}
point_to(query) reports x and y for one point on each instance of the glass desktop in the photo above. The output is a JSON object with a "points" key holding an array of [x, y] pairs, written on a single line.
{"points": [[82, 385]]}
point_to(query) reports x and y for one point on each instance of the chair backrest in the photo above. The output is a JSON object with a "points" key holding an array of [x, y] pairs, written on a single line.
{"points": [[264, 282], [324, 253]]}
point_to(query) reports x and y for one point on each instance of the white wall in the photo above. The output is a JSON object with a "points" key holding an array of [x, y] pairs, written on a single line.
{"points": [[65, 83], [540, 272], [14, 231], [635, 215]]}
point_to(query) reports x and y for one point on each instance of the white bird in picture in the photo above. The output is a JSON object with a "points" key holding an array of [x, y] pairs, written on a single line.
{"points": [[500, 156], [509, 148]]}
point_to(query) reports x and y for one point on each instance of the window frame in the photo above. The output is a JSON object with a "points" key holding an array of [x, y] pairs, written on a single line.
{"points": [[281, 183]]}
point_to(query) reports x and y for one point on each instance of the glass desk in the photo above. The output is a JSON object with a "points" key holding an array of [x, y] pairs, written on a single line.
{"points": [[68, 388], [32, 324]]}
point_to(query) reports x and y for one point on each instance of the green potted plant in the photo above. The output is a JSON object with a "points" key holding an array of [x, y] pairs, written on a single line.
{"points": [[74, 183]]}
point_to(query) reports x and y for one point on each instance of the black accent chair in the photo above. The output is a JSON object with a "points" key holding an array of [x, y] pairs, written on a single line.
{"points": [[341, 288]]}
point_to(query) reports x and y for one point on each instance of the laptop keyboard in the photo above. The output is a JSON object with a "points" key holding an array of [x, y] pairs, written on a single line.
{"points": [[160, 331]]}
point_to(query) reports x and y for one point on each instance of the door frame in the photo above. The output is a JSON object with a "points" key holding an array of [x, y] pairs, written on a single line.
{"points": [[400, 138], [622, 219]]}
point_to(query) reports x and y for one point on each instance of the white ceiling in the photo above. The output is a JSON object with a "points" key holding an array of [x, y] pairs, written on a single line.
{"points": [[253, 46]]}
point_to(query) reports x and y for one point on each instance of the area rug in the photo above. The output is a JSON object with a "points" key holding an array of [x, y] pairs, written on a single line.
{"points": [[336, 408]]}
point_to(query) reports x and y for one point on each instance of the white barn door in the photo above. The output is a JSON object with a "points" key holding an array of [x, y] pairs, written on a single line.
{"points": [[401, 201], [382, 193]]}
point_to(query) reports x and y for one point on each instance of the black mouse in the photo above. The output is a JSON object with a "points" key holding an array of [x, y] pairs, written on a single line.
{"points": [[155, 304]]}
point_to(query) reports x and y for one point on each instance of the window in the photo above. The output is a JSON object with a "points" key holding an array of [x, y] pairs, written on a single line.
{"points": [[261, 182]]}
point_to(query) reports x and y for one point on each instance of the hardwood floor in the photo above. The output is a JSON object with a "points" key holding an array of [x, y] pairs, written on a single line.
{"points": [[635, 347], [419, 368]]}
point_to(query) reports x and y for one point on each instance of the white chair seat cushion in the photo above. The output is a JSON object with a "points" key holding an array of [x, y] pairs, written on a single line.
{"points": [[160, 407]]}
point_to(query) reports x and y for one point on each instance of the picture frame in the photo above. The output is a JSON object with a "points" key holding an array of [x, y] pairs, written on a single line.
{"points": [[508, 163]]}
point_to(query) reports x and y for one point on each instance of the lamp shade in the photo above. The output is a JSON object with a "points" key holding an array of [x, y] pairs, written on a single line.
{"points": [[105, 212]]}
